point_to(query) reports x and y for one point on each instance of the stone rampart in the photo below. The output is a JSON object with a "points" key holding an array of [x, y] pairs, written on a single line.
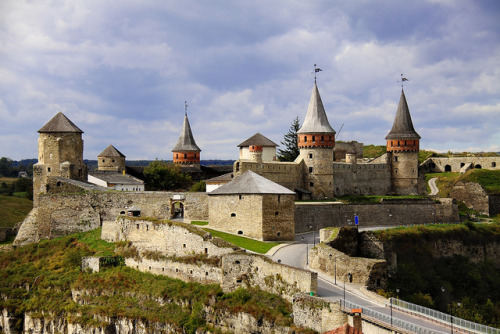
{"points": [[336, 214], [369, 272], [63, 212], [165, 238], [250, 270], [287, 174], [455, 164], [361, 178], [317, 314], [188, 272]]}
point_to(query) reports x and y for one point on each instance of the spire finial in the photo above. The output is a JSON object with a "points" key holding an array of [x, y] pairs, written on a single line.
{"points": [[185, 108], [403, 79], [316, 70]]}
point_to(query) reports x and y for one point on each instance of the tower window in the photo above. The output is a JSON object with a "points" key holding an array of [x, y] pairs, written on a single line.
{"points": [[310, 169], [103, 160], [493, 164], [311, 184], [113, 160], [233, 214], [314, 139], [396, 171], [310, 155], [395, 158], [322, 139], [276, 213], [279, 198], [305, 139], [48, 169], [185, 156]]}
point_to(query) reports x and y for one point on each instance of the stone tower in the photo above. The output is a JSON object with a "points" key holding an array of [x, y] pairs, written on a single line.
{"points": [[402, 151], [111, 160], [316, 141], [60, 154], [186, 151]]}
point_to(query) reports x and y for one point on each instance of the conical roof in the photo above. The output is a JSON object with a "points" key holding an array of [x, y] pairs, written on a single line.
{"points": [[60, 123], [316, 120], [251, 183], [403, 126], [258, 139], [186, 140], [111, 151]]}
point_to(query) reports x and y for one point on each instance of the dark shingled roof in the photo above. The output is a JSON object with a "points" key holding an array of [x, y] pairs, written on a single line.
{"points": [[259, 140], [316, 120], [186, 141], [60, 123], [251, 183], [111, 151], [403, 126], [116, 178]]}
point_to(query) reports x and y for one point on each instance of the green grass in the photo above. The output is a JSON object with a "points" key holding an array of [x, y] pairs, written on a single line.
{"points": [[373, 151], [39, 278], [246, 243], [488, 179], [13, 210], [199, 223], [445, 182]]}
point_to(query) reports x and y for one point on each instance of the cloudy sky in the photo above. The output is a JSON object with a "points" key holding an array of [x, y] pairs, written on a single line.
{"points": [[121, 71]]}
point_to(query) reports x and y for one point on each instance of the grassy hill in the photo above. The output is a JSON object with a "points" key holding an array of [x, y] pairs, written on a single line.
{"points": [[13, 209], [39, 278], [488, 179]]}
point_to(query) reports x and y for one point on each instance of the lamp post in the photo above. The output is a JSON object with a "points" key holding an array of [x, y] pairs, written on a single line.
{"points": [[335, 268], [314, 234]]}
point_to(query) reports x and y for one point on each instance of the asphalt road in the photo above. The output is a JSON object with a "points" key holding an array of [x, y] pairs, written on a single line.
{"points": [[296, 255], [432, 185]]}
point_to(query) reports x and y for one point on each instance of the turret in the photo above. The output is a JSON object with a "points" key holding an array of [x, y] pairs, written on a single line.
{"points": [[60, 153], [258, 148], [316, 140], [402, 151], [186, 151], [111, 160]]}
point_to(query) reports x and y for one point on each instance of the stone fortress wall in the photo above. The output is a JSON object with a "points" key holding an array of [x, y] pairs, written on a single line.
{"points": [[69, 208], [459, 164], [163, 246], [361, 178], [287, 174], [387, 213]]}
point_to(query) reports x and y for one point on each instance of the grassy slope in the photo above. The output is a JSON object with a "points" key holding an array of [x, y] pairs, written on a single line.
{"points": [[52, 268], [13, 210], [420, 276], [246, 243], [488, 179]]}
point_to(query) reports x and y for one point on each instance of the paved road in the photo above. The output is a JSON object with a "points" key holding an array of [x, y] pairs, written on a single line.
{"points": [[296, 255], [432, 185]]}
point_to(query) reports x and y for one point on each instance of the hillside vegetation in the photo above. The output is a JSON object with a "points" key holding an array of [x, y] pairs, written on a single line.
{"points": [[39, 278], [421, 273], [373, 151], [13, 209], [488, 179]]}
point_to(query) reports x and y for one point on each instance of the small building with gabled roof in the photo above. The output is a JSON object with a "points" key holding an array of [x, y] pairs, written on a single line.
{"points": [[258, 148], [253, 206]]}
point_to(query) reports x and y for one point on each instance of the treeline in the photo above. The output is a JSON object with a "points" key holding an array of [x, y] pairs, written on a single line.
{"points": [[11, 168]]}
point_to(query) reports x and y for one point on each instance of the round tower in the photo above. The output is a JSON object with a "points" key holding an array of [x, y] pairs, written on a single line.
{"points": [[316, 141], [111, 160], [60, 153], [186, 151], [402, 151], [256, 152]]}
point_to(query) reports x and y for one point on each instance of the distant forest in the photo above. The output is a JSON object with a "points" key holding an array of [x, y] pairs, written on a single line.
{"points": [[11, 168]]}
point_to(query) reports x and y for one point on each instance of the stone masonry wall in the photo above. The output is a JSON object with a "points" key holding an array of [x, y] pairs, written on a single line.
{"points": [[438, 165], [287, 174], [165, 238], [245, 270], [188, 272], [321, 215], [317, 314], [361, 179], [60, 214], [369, 272]]}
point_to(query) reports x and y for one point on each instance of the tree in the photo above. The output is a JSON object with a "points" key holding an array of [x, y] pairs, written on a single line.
{"points": [[160, 175], [5, 166], [291, 148]]}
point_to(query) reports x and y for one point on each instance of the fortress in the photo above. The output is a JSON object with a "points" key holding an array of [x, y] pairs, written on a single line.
{"points": [[258, 201]]}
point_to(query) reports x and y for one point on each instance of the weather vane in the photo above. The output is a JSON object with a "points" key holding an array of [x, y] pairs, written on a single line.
{"points": [[186, 107], [316, 70], [403, 79]]}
